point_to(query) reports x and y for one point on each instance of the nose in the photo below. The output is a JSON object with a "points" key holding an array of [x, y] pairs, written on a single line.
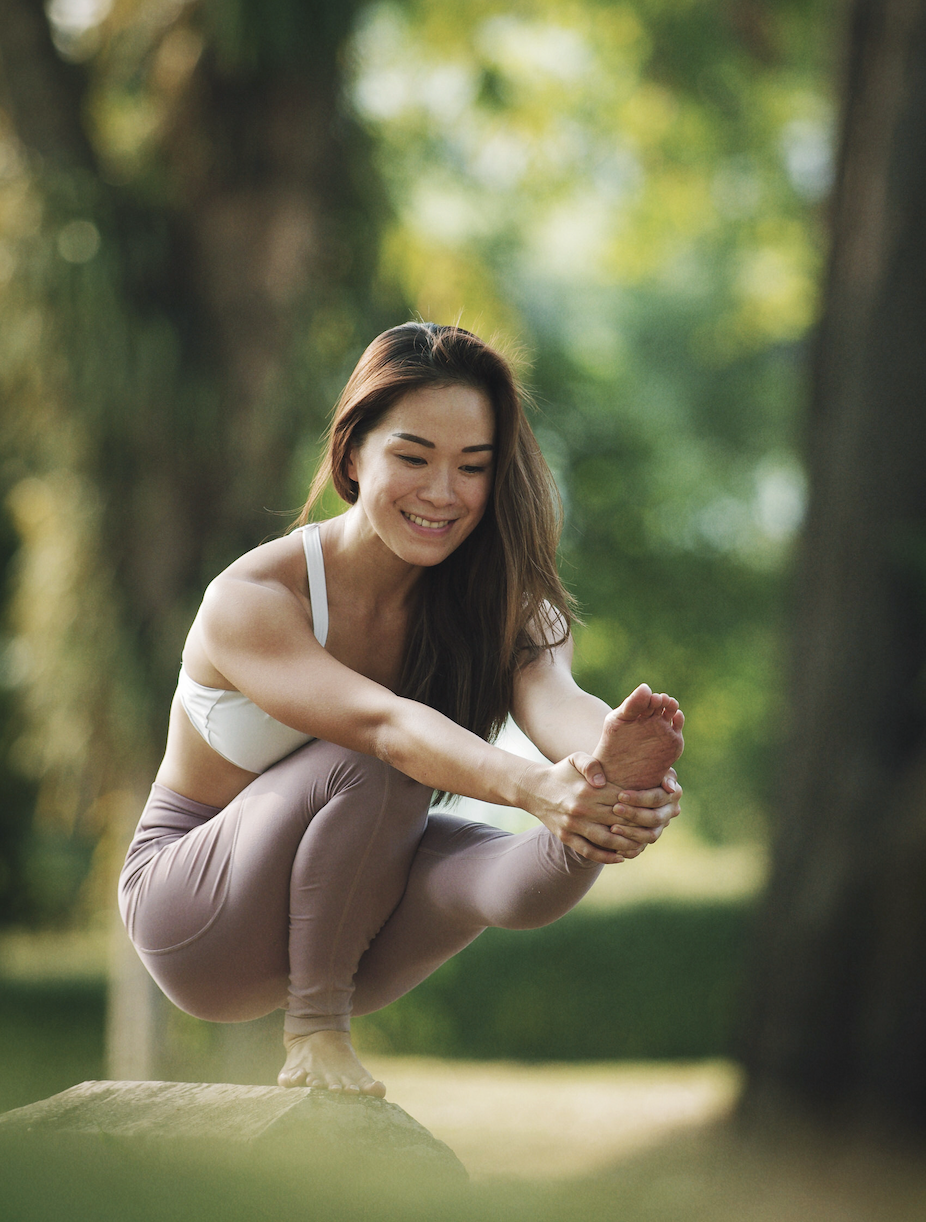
{"points": [[438, 489]]}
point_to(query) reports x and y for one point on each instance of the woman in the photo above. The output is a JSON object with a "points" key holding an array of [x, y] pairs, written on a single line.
{"points": [[334, 678]]}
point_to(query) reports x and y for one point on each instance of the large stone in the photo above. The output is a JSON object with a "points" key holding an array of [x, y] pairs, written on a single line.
{"points": [[358, 1129]]}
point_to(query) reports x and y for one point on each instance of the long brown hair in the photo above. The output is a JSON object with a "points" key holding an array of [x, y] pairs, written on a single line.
{"points": [[497, 601]]}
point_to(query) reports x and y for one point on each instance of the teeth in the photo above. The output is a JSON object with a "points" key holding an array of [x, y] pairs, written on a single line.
{"points": [[425, 522]]}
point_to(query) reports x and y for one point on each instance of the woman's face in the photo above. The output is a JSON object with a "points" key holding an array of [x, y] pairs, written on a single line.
{"points": [[424, 472]]}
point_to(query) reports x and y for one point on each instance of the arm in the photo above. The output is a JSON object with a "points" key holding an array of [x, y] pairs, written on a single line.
{"points": [[634, 745], [553, 711], [255, 633]]}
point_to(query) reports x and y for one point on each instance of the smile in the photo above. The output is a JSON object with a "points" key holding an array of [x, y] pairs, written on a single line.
{"points": [[426, 522]]}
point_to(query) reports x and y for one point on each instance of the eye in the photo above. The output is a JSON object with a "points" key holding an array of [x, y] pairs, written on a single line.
{"points": [[475, 470], [413, 460]]}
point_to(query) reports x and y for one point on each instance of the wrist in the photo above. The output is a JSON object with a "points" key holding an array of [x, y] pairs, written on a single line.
{"points": [[528, 785]]}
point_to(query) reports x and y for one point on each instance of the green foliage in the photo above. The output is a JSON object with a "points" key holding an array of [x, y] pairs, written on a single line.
{"points": [[648, 982], [628, 191], [179, 300], [249, 37], [653, 981], [632, 191], [51, 1035]]}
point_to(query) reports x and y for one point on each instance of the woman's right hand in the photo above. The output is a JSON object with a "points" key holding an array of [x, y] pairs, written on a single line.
{"points": [[575, 801]]}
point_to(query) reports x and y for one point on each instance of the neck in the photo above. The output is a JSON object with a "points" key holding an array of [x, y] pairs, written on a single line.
{"points": [[364, 568]]}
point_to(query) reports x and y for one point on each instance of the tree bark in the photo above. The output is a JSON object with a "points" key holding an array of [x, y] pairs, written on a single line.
{"points": [[838, 998]]}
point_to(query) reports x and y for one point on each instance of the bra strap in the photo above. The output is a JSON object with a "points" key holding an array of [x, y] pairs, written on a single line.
{"points": [[318, 591]]}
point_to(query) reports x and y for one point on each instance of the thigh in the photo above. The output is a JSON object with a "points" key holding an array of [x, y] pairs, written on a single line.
{"points": [[209, 913], [465, 877]]}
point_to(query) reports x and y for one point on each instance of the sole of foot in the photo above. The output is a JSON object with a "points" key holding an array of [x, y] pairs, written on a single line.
{"points": [[641, 739]]}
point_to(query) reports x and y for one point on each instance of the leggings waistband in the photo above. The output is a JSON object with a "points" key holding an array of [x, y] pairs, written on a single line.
{"points": [[167, 816], [177, 801]]}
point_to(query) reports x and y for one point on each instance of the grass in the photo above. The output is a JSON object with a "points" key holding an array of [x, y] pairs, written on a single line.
{"points": [[543, 1143], [707, 1174]]}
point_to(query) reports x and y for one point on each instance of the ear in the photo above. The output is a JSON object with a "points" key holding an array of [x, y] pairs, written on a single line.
{"points": [[351, 464]]}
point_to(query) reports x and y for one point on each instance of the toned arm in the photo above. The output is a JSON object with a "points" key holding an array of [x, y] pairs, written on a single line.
{"points": [[552, 710], [255, 634]]}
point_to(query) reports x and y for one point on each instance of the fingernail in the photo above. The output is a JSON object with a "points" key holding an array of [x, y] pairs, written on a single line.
{"points": [[670, 784], [598, 778]]}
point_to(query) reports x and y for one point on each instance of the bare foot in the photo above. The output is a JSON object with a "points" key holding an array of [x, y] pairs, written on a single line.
{"points": [[326, 1059], [641, 740]]}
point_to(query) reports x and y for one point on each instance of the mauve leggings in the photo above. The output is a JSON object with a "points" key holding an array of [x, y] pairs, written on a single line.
{"points": [[325, 888]]}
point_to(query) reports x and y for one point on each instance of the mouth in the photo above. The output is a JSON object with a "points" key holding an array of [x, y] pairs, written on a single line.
{"points": [[428, 523]]}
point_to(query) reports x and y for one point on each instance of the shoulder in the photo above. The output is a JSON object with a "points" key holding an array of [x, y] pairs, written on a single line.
{"points": [[276, 562], [267, 585]]}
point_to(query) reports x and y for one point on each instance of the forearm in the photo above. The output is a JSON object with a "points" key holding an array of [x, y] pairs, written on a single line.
{"points": [[570, 724], [434, 750]]}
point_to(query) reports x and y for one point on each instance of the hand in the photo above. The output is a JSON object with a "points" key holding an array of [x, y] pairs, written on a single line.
{"points": [[643, 815], [575, 801]]}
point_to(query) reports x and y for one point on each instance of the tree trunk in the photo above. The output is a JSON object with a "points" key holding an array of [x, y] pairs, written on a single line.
{"points": [[178, 362], [837, 1024]]}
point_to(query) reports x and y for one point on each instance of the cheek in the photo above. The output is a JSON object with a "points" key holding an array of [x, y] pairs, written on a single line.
{"points": [[479, 500]]}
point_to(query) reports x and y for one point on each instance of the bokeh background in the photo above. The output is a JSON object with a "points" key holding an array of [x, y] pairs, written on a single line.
{"points": [[698, 230]]}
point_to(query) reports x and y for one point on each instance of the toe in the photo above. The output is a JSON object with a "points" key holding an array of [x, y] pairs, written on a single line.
{"points": [[291, 1077]]}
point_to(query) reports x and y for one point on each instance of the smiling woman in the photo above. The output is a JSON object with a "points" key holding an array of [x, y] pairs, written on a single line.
{"points": [[334, 678]]}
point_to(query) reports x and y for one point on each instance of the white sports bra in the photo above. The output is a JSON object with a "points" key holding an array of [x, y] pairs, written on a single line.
{"points": [[235, 726]]}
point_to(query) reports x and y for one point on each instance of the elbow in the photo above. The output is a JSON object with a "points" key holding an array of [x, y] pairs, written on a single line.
{"points": [[390, 741]]}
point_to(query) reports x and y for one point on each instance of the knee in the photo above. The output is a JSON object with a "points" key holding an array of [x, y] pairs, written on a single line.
{"points": [[533, 910], [378, 781], [555, 880]]}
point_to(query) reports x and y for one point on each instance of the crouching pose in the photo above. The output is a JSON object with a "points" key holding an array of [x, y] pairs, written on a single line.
{"points": [[336, 677]]}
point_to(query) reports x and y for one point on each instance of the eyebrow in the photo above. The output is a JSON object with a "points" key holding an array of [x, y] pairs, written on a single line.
{"points": [[421, 441]]}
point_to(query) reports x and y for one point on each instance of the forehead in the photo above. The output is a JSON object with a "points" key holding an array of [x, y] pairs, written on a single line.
{"points": [[442, 414]]}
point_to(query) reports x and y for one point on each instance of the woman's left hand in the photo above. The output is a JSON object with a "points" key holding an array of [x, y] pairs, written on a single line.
{"points": [[642, 815]]}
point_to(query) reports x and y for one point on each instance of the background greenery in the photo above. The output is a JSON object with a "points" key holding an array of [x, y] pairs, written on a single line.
{"points": [[205, 211], [645, 982], [627, 195]]}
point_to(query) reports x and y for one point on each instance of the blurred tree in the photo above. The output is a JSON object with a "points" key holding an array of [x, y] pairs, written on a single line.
{"points": [[188, 225], [839, 992], [188, 231]]}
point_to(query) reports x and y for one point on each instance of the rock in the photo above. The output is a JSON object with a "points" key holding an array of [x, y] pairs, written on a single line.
{"points": [[321, 1124]]}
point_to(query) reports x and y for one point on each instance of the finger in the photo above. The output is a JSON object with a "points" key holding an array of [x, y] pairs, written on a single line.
{"points": [[599, 834], [633, 816], [631, 854], [637, 835], [589, 768], [617, 840], [646, 799], [670, 783], [585, 847], [590, 851]]}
